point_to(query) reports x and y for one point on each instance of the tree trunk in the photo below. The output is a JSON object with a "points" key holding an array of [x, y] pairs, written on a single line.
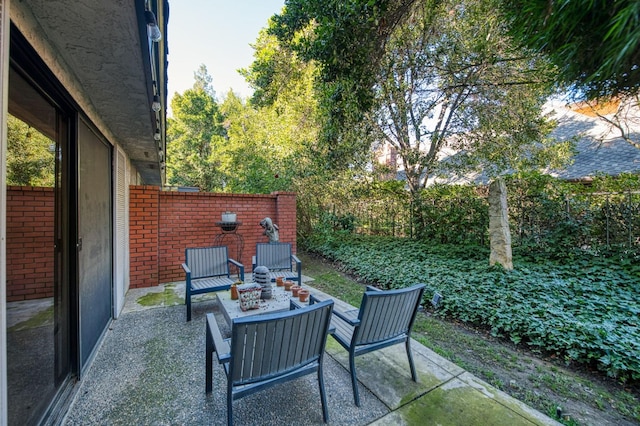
{"points": [[499, 233]]}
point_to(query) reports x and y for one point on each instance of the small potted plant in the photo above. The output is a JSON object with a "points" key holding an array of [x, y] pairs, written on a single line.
{"points": [[234, 290], [303, 295]]}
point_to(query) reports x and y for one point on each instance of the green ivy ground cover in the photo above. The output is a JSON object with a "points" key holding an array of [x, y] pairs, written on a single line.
{"points": [[584, 308]]}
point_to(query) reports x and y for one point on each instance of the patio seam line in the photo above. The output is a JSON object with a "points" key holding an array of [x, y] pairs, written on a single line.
{"points": [[365, 386], [431, 389], [518, 413], [457, 376]]}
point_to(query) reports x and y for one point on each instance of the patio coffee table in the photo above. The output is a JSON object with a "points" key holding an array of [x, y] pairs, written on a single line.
{"points": [[278, 302]]}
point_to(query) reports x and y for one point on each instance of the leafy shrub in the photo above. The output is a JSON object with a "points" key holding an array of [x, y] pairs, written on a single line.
{"points": [[586, 311]]}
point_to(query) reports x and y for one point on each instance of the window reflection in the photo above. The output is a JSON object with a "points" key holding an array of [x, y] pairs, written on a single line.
{"points": [[37, 324]]}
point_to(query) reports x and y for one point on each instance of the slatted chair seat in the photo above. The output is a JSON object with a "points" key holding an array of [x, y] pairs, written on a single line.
{"points": [[279, 259], [385, 318], [266, 350], [343, 330], [207, 270], [223, 283]]}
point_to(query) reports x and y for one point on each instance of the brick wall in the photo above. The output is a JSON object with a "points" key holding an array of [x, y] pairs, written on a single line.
{"points": [[30, 238], [143, 235], [188, 219], [161, 225]]}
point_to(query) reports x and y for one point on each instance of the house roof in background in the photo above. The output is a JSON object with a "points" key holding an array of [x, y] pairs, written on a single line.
{"points": [[600, 148]]}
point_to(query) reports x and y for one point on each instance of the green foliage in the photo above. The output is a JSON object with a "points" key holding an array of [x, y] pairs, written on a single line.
{"points": [[30, 162], [419, 76], [243, 147], [346, 40], [254, 158], [342, 201], [586, 311], [450, 78], [549, 217], [560, 219], [194, 135], [452, 214], [595, 44]]}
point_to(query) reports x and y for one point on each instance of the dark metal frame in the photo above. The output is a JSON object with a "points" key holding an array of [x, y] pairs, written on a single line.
{"points": [[279, 258], [265, 350], [207, 270], [385, 318]]}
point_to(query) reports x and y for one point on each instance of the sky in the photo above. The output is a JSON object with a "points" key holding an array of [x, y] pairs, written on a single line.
{"points": [[216, 33]]}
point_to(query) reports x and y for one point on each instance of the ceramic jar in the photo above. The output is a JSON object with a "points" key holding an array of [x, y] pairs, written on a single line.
{"points": [[228, 217]]}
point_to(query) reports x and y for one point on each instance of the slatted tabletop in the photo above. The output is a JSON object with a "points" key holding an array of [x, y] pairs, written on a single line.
{"points": [[278, 302]]}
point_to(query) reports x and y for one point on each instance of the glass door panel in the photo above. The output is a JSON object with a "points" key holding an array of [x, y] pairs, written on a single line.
{"points": [[38, 355], [95, 258]]}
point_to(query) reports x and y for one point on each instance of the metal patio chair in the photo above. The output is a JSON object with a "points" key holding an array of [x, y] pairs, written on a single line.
{"points": [[265, 350], [385, 318], [207, 270], [280, 261]]}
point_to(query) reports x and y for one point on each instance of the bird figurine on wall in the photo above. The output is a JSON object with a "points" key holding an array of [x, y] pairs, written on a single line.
{"points": [[270, 230]]}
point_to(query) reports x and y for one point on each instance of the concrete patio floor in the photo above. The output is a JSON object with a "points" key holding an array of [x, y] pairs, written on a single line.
{"points": [[150, 370]]}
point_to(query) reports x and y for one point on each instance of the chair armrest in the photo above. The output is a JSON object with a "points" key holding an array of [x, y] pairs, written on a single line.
{"points": [[221, 345], [351, 321], [350, 316], [295, 259], [372, 288], [240, 268], [293, 305], [313, 299], [186, 268], [235, 262]]}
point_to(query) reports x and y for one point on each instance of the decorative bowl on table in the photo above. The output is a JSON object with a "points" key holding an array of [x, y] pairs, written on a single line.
{"points": [[249, 296]]}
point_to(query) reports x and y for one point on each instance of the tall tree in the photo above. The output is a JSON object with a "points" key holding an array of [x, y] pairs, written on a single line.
{"points": [[459, 84], [596, 47], [594, 43], [270, 136], [30, 159], [194, 133]]}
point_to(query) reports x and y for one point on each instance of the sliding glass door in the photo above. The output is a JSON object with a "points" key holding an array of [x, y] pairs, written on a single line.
{"points": [[38, 303], [59, 240]]}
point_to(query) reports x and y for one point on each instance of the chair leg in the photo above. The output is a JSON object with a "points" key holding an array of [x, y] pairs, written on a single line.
{"points": [[354, 379], [187, 301], [209, 361], [229, 407], [323, 396], [413, 368]]}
